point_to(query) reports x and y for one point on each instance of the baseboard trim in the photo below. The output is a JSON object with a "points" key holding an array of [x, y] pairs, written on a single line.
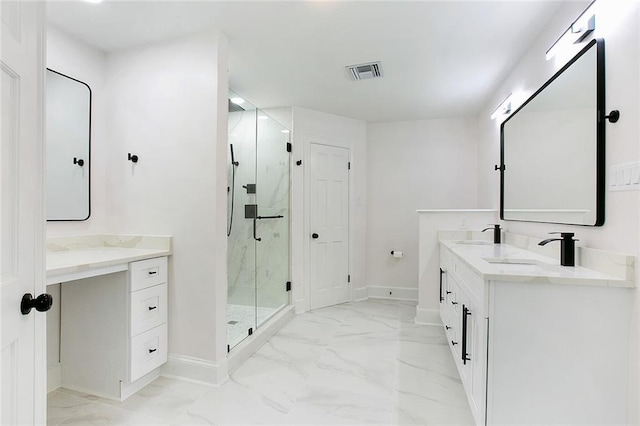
{"points": [[128, 389], [300, 306], [54, 377], [393, 293], [195, 370], [427, 316], [360, 294]]}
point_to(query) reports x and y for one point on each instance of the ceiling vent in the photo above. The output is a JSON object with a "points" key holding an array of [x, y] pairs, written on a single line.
{"points": [[365, 71]]}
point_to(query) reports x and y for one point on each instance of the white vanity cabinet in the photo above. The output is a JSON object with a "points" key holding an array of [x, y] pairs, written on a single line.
{"points": [[114, 330], [466, 330], [533, 351]]}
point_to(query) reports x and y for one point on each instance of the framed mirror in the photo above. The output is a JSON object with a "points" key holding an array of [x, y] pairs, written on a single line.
{"points": [[553, 147], [68, 135]]}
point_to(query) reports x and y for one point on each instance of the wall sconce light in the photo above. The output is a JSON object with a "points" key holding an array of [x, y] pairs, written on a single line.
{"points": [[577, 32], [504, 108]]}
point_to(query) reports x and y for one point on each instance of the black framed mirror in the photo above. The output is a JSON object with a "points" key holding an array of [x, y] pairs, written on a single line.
{"points": [[552, 148], [68, 134]]}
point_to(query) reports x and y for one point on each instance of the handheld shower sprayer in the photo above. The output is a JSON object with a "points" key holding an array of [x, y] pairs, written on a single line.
{"points": [[233, 160]]}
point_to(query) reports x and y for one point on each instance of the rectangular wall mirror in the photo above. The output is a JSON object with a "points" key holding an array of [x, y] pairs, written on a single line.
{"points": [[553, 147], [68, 135]]}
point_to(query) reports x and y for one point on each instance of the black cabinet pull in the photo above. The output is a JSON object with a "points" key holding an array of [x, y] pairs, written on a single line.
{"points": [[454, 343], [448, 292], [152, 272], [41, 303], [464, 354], [453, 302], [151, 308], [447, 327], [152, 350], [441, 274], [314, 236]]}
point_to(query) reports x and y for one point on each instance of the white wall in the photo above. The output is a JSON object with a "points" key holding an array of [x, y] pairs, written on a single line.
{"points": [[618, 23], [167, 104], [339, 131], [430, 164]]}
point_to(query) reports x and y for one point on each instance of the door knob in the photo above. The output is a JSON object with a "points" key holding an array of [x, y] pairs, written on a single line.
{"points": [[314, 235], [42, 303]]}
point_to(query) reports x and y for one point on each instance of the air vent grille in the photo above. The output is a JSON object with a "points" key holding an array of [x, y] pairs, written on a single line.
{"points": [[365, 71]]}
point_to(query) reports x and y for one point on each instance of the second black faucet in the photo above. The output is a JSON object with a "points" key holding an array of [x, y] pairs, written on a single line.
{"points": [[496, 233]]}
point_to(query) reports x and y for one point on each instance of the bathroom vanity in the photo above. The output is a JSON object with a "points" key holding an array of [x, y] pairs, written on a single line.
{"points": [[535, 342], [113, 323]]}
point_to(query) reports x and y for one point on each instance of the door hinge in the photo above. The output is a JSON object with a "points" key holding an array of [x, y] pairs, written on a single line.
{"points": [[289, 146], [349, 165], [288, 286], [348, 278]]}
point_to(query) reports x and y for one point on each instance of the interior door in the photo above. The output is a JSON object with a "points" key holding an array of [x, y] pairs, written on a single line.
{"points": [[22, 351], [329, 226]]}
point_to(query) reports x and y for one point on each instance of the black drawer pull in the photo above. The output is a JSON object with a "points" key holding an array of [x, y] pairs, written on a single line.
{"points": [[465, 355], [447, 327], [152, 272], [453, 302], [454, 343], [448, 292], [152, 350], [151, 308]]}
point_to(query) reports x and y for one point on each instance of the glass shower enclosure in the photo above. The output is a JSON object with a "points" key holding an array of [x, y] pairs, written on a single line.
{"points": [[258, 193]]}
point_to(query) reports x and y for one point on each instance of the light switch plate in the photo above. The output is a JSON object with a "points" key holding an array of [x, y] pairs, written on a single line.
{"points": [[624, 177]]}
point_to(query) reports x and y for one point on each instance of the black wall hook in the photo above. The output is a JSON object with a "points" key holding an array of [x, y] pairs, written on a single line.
{"points": [[613, 116], [133, 158], [78, 161]]}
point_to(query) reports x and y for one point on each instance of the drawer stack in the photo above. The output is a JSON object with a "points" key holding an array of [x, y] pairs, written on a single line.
{"points": [[148, 316]]}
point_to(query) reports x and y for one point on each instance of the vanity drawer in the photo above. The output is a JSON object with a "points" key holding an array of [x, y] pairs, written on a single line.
{"points": [[148, 308], [147, 273], [470, 280], [148, 351]]}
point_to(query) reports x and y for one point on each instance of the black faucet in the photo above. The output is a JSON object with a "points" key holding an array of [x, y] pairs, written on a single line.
{"points": [[567, 247], [496, 233]]}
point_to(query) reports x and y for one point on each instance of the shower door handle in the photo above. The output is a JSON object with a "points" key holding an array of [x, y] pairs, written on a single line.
{"points": [[254, 231]]}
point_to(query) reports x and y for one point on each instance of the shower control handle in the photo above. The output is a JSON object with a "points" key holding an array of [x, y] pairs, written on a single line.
{"points": [[314, 236]]}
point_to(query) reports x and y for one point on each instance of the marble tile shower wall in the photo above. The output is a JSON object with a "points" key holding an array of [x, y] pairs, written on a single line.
{"points": [[259, 270]]}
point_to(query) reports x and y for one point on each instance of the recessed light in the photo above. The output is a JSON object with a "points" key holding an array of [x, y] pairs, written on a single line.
{"points": [[284, 131], [237, 101], [94, 1]]}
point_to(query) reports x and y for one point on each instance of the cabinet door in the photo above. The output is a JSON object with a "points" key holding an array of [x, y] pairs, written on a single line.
{"points": [[473, 356]]}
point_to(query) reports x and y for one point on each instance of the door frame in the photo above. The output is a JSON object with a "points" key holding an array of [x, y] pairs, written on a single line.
{"points": [[308, 140]]}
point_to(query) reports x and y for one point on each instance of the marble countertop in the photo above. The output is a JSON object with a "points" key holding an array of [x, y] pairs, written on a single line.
{"points": [[68, 255], [503, 262]]}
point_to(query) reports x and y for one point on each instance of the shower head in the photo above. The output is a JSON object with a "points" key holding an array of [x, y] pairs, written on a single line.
{"points": [[233, 161]]}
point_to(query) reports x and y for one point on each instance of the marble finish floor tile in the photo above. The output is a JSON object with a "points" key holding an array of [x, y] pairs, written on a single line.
{"points": [[360, 363]]}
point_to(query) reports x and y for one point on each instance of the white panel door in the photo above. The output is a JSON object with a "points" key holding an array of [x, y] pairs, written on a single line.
{"points": [[22, 338], [329, 226]]}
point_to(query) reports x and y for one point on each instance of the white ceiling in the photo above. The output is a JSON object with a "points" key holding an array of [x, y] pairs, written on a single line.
{"points": [[439, 58]]}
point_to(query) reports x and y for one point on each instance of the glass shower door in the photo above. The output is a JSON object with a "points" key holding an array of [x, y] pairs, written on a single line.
{"points": [[272, 224]]}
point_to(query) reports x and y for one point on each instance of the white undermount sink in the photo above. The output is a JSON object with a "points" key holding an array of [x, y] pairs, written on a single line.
{"points": [[506, 261], [475, 242]]}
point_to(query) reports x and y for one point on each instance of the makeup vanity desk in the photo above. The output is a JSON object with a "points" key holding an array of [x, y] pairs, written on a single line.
{"points": [[113, 305]]}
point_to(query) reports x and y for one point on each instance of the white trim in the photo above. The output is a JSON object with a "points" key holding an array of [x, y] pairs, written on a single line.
{"points": [[360, 294], [300, 306], [195, 370], [427, 316], [393, 293], [240, 353], [54, 377]]}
